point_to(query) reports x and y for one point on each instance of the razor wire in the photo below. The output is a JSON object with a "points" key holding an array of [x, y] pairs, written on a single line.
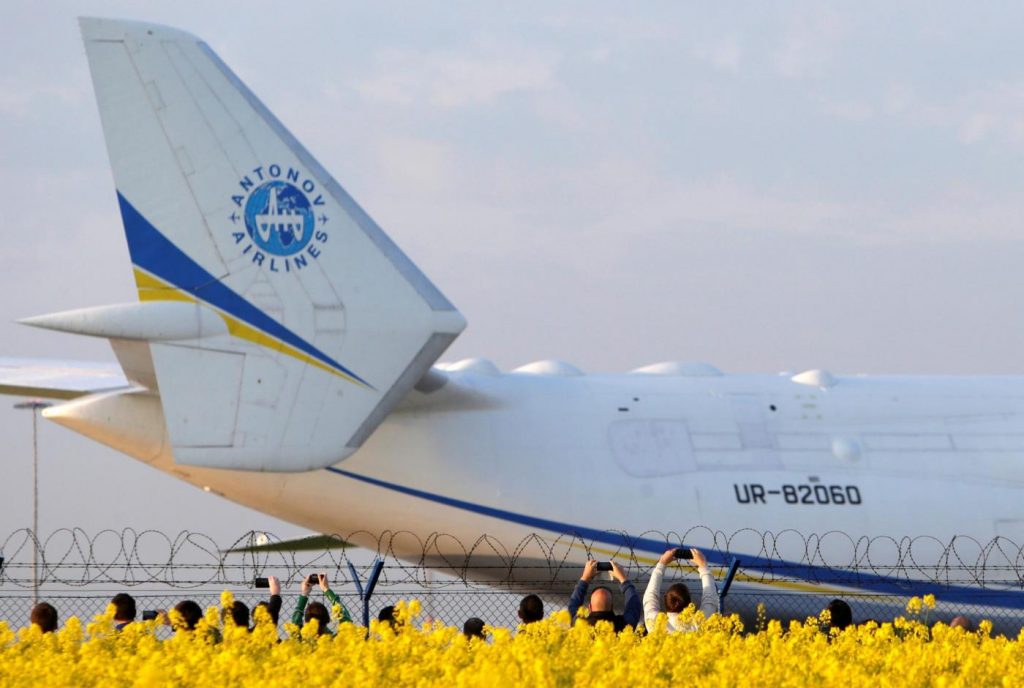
{"points": [[72, 557]]}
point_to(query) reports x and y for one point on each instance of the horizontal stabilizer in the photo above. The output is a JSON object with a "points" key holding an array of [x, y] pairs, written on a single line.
{"points": [[58, 379], [310, 543]]}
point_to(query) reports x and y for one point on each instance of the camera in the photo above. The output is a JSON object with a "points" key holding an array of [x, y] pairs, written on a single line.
{"points": [[604, 566], [683, 553], [150, 614], [314, 579], [261, 582]]}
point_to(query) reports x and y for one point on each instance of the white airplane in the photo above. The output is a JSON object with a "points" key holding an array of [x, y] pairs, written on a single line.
{"points": [[283, 354]]}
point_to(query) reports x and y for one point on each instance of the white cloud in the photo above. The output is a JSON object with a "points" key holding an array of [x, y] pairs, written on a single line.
{"points": [[651, 203], [599, 55], [850, 110], [567, 112], [415, 163], [960, 212], [809, 45], [18, 99], [391, 88], [977, 127], [456, 80], [993, 114], [724, 54], [627, 197], [996, 113], [990, 114]]}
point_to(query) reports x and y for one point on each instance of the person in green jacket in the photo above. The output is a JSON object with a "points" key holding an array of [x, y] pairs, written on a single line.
{"points": [[317, 610]]}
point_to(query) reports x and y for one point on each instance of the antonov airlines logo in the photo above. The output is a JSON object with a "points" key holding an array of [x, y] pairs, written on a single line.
{"points": [[283, 215]]}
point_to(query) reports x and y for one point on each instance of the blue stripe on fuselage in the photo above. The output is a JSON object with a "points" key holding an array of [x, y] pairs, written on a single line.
{"points": [[867, 582]]}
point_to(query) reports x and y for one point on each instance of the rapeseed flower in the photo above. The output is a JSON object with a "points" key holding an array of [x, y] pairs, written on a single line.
{"points": [[904, 652]]}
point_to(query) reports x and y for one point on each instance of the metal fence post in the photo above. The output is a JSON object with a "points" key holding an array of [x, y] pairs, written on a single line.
{"points": [[727, 583], [359, 589], [366, 593]]}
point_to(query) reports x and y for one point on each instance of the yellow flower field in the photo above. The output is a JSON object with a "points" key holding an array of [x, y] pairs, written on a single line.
{"points": [[905, 652]]}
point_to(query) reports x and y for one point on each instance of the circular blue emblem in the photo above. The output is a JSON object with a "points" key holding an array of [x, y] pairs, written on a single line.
{"points": [[279, 218]]}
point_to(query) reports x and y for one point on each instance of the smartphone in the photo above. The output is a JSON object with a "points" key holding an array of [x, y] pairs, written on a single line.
{"points": [[314, 579], [683, 553], [604, 566], [261, 582], [150, 614]]}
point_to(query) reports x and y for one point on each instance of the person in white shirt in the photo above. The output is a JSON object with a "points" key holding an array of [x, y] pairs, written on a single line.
{"points": [[677, 597]]}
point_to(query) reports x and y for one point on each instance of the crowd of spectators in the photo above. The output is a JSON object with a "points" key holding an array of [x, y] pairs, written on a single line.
{"points": [[641, 614]]}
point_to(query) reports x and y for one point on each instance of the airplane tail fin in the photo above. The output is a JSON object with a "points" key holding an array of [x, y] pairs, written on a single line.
{"points": [[302, 323]]}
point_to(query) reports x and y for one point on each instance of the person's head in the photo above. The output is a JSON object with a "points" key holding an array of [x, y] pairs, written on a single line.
{"points": [[531, 609], [677, 598], [239, 613], [44, 615], [840, 614], [190, 612], [124, 607], [601, 600], [272, 611], [387, 615], [318, 611], [473, 628], [961, 622]]}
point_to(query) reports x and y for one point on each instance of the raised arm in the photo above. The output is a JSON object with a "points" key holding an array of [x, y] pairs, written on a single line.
{"points": [[709, 601], [300, 604], [652, 595], [580, 592], [632, 611]]}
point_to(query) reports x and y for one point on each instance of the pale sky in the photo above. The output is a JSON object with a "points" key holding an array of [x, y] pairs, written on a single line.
{"points": [[763, 188]]}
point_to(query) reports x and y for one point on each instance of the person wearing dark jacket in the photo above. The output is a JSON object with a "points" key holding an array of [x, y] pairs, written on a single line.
{"points": [[601, 599], [273, 605]]}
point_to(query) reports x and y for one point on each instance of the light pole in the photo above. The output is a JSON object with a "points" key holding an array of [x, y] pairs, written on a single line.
{"points": [[35, 406]]}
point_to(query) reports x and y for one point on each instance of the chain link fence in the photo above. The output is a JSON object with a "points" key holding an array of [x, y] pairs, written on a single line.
{"points": [[79, 573], [496, 608], [500, 608]]}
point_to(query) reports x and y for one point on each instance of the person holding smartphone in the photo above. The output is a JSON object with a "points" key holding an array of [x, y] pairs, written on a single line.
{"points": [[677, 597], [273, 605], [317, 610], [601, 599]]}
